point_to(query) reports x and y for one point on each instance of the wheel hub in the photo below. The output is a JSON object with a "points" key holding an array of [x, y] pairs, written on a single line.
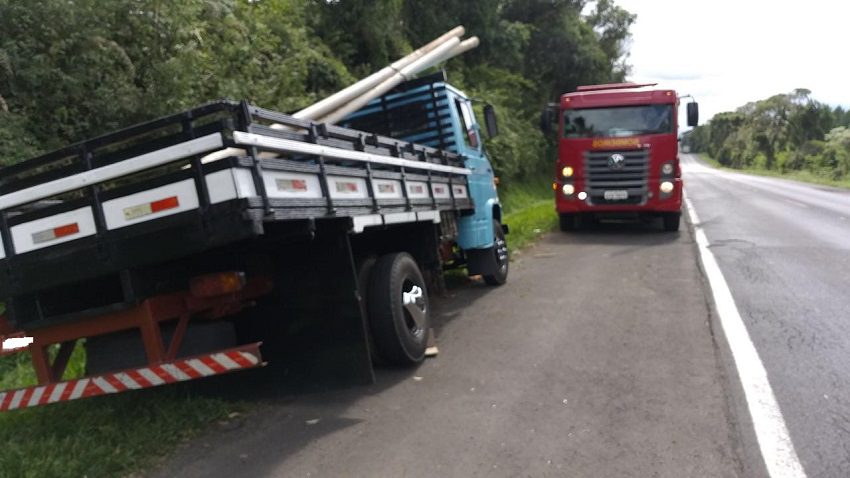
{"points": [[414, 303]]}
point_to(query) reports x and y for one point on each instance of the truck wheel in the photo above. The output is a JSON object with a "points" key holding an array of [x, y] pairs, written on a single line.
{"points": [[671, 221], [399, 314], [500, 249], [568, 222]]}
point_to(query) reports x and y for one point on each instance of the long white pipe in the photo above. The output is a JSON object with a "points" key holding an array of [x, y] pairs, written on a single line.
{"points": [[439, 50], [407, 72], [464, 46], [347, 94]]}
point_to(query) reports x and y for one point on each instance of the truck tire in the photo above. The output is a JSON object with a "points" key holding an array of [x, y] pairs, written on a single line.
{"points": [[500, 249], [398, 310], [671, 221], [568, 222]]}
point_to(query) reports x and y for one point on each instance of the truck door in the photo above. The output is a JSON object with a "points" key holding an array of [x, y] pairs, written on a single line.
{"points": [[476, 231]]}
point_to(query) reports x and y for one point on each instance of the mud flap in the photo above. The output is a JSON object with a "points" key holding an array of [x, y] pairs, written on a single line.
{"points": [[318, 336], [481, 261]]}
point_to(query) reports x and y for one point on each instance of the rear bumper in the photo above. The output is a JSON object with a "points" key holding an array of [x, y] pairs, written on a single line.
{"points": [[654, 202]]}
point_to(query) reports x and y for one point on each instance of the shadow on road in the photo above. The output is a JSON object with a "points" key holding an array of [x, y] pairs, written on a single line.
{"points": [[292, 419], [627, 233]]}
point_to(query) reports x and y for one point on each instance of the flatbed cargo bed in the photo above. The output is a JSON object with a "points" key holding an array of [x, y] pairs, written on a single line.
{"points": [[96, 211]]}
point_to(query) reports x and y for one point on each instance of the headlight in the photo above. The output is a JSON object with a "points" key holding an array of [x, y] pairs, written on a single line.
{"points": [[568, 189], [567, 171], [666, 187], [667, 168]]}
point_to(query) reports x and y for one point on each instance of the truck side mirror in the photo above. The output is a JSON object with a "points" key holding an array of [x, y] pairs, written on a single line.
{"points": [[490, 121], [693, 114]]}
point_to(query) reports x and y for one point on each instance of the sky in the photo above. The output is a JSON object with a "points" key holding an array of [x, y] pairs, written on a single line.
{"points": [[728, 53]]}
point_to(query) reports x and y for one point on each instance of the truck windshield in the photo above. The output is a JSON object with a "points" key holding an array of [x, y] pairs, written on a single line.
{"points": [[618, 121]]}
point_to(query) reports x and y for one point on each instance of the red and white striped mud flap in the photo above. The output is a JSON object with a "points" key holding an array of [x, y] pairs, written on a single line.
{"points": [[180, 370]]}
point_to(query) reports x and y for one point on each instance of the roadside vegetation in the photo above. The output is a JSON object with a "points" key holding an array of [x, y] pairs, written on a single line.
{"points": [[74, 70], [788, 135], [529, 211]]}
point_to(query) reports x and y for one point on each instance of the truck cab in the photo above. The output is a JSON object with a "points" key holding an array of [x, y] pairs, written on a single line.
{"points": [[618, 154], [431, 112]]}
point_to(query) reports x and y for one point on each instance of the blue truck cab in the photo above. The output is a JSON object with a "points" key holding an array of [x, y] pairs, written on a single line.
{"points": [[431, 112]]}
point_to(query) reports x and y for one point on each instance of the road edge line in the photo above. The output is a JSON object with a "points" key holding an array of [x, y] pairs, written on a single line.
{"points": [[777, 449]]}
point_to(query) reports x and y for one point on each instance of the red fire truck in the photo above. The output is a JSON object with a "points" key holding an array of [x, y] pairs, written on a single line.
{"points": [[618, 153]]}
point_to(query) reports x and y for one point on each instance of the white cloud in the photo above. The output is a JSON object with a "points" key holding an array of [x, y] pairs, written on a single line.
{"points": [[727, 53]]}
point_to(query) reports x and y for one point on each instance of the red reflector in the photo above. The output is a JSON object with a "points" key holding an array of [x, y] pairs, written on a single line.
{"points": [[66, 230], [163, 204]]}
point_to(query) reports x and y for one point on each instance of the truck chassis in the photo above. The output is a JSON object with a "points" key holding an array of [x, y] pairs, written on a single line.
{"points": [[138, 231]]}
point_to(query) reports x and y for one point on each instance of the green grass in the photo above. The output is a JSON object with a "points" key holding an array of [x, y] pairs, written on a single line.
{"points": [[529, 210], [117, 435], [802, 176], [103, 436]]}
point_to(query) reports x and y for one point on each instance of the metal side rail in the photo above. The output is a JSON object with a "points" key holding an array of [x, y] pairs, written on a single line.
{"points": [[180, 370]]}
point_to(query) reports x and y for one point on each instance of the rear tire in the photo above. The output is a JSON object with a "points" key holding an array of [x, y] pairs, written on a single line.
{"points": [[671, 221], [500, 249], [398, 310]]}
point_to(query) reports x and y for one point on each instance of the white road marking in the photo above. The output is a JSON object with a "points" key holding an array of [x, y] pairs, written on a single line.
{"points": [[775, 444]]}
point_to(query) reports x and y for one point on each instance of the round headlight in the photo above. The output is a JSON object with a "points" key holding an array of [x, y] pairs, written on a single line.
{"points": [[666, 187], [582, 196], [568, 189], [567, 171], [667, 168]]}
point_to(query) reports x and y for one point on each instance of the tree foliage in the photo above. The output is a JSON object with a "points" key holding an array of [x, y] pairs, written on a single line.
{"points": [[784, 132], [72, 70]]}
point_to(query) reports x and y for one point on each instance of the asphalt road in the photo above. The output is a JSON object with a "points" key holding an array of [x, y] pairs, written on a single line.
{"points": [[597, 359], [784, 249]]}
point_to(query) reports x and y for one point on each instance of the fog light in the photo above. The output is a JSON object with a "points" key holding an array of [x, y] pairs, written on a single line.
{"points": [[568, 189], [666, 187], [582, 196], [567, 171], [667, 168]]}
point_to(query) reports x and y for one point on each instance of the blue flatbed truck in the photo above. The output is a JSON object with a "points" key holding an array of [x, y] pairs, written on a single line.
{"points": [[307, 246]]}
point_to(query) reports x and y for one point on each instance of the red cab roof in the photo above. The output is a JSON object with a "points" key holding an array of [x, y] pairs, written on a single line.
{"points": [[617, 94]]}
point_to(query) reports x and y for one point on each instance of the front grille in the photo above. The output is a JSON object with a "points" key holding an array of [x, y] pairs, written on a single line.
{"points": [[632, 177]]}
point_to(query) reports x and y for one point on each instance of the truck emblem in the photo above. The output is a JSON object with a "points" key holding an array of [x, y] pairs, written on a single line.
{"points": [[616, 161]]}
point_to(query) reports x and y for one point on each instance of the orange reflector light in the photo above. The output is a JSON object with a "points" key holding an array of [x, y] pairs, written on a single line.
{"points": [[220, 283], [555, 186], [55, 233]]}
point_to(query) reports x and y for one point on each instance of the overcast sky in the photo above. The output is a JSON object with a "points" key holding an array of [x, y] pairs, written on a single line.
{"points": [[727, 53]]}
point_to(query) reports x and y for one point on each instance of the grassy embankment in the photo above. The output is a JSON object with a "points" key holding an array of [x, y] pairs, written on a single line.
{"points": [[115, 435], [804, 176], [529, 211]]}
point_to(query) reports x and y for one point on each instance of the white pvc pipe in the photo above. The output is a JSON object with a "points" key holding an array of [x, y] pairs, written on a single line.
{"points": [[347, 94], [464, 46], [407, 72], [359, 94]]}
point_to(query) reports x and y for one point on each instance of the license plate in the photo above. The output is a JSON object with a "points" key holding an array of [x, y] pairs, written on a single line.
{"points": [[615, 195]]}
